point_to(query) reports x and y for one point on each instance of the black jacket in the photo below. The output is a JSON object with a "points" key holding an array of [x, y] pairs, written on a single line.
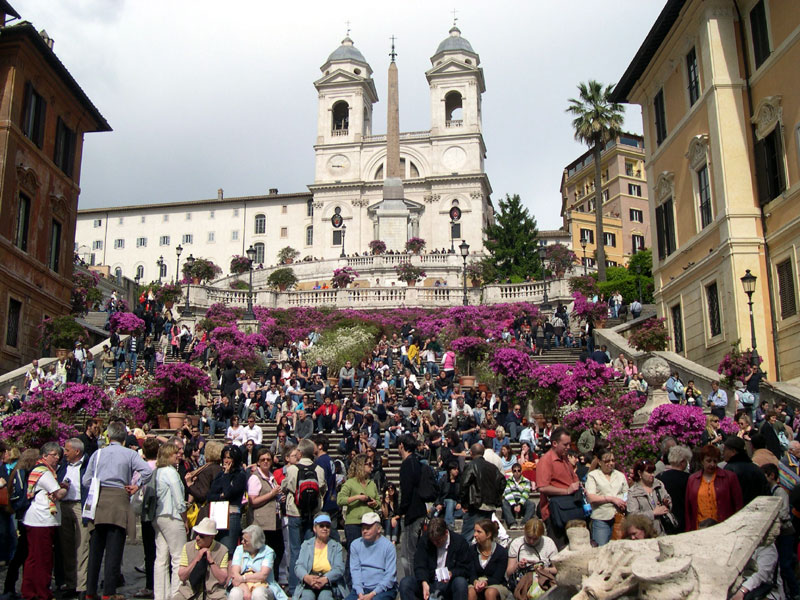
{"points": [[229, 382], [495, 569], [459, 559], [410, 505], [751, 477], [61, 473], [771, 439], [482, 483]]}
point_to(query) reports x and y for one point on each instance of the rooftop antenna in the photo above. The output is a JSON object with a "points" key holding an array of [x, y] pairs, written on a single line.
{"points": [[348, 27], [455, 18], [393, 54]]}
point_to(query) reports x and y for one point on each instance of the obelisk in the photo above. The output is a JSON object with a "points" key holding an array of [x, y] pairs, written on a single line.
{"points": [[393, 213]]}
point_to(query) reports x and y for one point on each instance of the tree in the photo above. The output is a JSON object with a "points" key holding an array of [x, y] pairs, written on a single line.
{"points": [[597, 120], [511, 240]]}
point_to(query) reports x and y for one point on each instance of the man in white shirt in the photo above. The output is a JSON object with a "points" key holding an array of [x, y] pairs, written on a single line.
{"points": [[34, 377], [72, 534], [253, 431], [271, 397]]}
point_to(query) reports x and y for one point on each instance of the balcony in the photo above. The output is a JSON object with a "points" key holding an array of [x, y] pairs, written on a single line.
{"points": [[454, 123], [339, 132]]}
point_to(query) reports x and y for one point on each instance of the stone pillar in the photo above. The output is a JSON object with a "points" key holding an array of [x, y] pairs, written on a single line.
{"points": [[656, 372], [393, 126]]}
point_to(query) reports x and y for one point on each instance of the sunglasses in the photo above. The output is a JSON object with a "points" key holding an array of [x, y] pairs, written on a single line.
{"points": [[325, 525]]}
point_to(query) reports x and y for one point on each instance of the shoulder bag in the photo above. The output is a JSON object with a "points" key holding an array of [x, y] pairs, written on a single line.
{"points": [[90, 506]]}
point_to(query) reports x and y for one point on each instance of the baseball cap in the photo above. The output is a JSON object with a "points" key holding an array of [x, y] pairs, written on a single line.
{"points": [[370, 518], [322, 518]]}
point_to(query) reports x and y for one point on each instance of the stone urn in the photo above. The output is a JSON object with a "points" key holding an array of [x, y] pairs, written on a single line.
{"points": [[656, 371]]}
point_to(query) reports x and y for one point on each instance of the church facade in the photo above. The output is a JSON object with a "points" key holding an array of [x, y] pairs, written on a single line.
{"points": [[439, 169]]}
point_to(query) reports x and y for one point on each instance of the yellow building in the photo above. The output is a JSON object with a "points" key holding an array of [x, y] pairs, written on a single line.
{"points": [[626, 213], [720, 95]]}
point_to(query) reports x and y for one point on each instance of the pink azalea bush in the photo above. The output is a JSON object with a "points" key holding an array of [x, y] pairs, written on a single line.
{"points": [[511, 363], [126, 322], [343, 277], [583, 418], [583, 309], [173, 388], [630, 445], [650, 336], [131, 408], [734, 366], [228, 343], [684, 423]]}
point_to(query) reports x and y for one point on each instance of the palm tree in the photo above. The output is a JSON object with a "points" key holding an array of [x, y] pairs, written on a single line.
{"points": [[597, 120]]}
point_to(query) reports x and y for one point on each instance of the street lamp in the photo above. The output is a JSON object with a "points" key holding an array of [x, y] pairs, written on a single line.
{"points": [[749, 285], [542, 250], [464, 249], [344, 232], [639, 281], [160, 263], [251, 256], [452, 242], [178, 251], [583, 245], [187, 312]]}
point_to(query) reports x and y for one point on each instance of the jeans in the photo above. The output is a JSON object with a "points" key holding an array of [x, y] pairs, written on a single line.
{"points": [[299, 531], [455, 589], [388, 438], [133, 358], [470, 518], [150, 364], [601, 531], [409, 537], [432, 368], [345, 383], [389, 594], [450, 511], [108, 541], [513, 431], [230, 537], [510, 516], [786, 560], [393, 533]]}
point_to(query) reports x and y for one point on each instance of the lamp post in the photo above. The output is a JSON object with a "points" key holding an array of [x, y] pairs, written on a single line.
{"points": [[344, 232], [452, 242], [464, 249], [187, 312], [749, 285], [585, 269], [178, 251], [542, 250], [639, 281], [251, 256], [160, 263]]}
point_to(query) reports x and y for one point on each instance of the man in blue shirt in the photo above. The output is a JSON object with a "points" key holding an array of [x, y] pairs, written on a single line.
{"points": [[373, 563]]}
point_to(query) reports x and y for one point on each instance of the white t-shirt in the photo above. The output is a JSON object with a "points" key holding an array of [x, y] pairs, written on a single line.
{"points": [[544, 550], [38, 514]]}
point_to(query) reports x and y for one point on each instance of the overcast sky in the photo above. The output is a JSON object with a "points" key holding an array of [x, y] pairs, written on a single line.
{"points": [[203, 95]]}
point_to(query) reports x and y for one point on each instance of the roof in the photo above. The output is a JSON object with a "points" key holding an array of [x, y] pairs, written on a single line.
{"points": [[454, 42], [648, 49], [551, 233], [7, 9], [347, 51], [27, 31], [589, 152], [232, 200]]}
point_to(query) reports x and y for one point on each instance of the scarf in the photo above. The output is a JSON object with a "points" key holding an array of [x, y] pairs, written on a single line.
{"points": [[36, 473]]}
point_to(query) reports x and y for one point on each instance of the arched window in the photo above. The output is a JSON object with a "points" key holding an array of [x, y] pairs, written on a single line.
{"points": [[259, 248], [261, 224], [379, 174], [367, 123], [452, 109], [118, 275], [309, 235], [413, 171], [341, 118], [140, 272], [310, 208]]}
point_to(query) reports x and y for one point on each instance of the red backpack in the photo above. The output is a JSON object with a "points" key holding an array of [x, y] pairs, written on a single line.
{"points": [[306, 495]]}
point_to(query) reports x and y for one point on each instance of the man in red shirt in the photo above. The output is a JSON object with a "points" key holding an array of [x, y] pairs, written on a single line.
{"points": [[556, 477]]}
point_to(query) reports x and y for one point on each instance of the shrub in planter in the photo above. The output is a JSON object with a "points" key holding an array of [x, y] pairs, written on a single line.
{"points": [[125, 322], [377, 246], [415, 245], [408, 272], [202, 270], [173, 389], [560, 258], [735, 366], [169, 293], [287, 255], [239, 285], [282, 278], [62, 332], [130, 408], [85, 293], [583, 309], [585, 285], [475, 272], [239, 264], [650, 335], [343, 277], [469, 349]]}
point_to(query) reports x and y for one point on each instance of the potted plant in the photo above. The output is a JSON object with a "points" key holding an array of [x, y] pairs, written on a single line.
{"points": [[174, 387], [475, 273], [85, 293], [239, 264], [377, 247], [560, 258], [239, 284], [409, 273], [125, 322], [61, 334], [287, 255], [201, 270], [343, 277], [470, 349], [415, 245], [282, 278], [168, 294], [650, 336]]}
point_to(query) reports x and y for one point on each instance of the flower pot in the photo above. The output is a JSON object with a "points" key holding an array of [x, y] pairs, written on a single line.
{"points": [[195, 419], [476, 283], [163, 422], [61, 353], [168, 304], [176, 420], [482, 387], [282, 287], [195, 280], [467, 381], [411, 283]]}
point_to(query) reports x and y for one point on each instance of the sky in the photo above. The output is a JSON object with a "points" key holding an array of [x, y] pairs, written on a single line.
{"points": [[204, 95]]}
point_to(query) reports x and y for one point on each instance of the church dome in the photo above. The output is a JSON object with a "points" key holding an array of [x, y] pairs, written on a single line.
{"points": [[455, 43], [347, 51]]}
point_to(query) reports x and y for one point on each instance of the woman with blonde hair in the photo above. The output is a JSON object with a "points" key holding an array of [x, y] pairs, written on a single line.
{"points": [[170, 525], [359, 494], [500, 439], [532, 552]]}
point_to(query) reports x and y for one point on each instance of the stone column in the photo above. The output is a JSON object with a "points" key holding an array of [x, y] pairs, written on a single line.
{"points": [[656, 372]]}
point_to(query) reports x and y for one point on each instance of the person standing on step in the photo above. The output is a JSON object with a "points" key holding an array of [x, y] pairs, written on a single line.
{"points": [[73, 535], [482, 486], [411, 508]]}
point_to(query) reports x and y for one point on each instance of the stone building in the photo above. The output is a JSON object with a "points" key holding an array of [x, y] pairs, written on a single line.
{"points": [[626, 213], [439, 168], [717, 83], [45, 115]]}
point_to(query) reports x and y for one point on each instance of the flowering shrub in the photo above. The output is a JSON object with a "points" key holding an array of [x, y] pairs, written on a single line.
{"points": [[684, 423], [560, 258], [408, 272], [125, 322], [415, 245], [220, 315], [202, 269], [131, 408], [625, 405], [343, 277], [583, 418], [650, 335], [511, 363], [586, 285], [735, 366], [169, 293], [579, 384], [345, 343], [728, 426], [469, 348], [377, 246], [475, 271], [120, 304], [62, 332], [231, 344], [584, 310], [174, 387], [239, 264], [630, 445], [85, 293]]}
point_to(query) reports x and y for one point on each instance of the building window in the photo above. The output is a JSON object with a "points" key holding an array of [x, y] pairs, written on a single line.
{"points": [[163, 270], [786, 289], [455, 231], [97, 245], [141, 242], [609, 239], [12, 325], [64, 152], [637, 242], [310, 208], [188, 238], [712, 297], [665, 226], [259, 248], [604, 196], [770, 172], [23, 222], [660, 117], [677, 328], [634, 189], [188, 216], [758, 29], [340, 118], [693, 76], [210, 236], [121, 220], [284, 209], [590, 205], [337, 237], [261, 224], [309, 236], [587, 262], [55, 246], [211, 214], [587, 235], [144, 218], [118, 275], [140, 272], [284, 232], [119, 244], [98, 222], [235, 212], [234, 235], [704, 195], [34, 115], [163, 240], [166, 218], [636, 215]]}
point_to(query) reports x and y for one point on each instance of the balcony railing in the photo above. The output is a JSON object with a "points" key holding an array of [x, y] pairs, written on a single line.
{"points": [[339, 132], [454, 123]]}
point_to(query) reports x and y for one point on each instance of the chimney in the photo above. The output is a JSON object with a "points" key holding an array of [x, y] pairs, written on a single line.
{"points": [[219, 194], [47, 39], [273, 191]]}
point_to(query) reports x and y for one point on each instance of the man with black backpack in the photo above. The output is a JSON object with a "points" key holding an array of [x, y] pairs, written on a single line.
{"points": [[482, 486], [305, 487], [411, 506]]}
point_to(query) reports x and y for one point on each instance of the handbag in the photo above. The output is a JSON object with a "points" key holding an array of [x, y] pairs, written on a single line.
{"points": [[668, 520], [191, 514], [92, 496], [150, 499], [566, 508]]}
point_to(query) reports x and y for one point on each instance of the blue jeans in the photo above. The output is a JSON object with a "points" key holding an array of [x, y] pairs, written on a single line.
{"points": [[601, 531], [528, 510], [388, 437], [786, 548], [432, 368], [133, 357], [299, 531], [230, 537], [390, 594], [450, 511], [393, 533], [455, 589]]}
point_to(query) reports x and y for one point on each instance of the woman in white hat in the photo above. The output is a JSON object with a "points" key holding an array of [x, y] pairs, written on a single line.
{"points": [[320, 566], [203, 565], [251, 568]]}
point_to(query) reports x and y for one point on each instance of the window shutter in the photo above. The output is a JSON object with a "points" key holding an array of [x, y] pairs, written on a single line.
{"points": [[786, 289]]}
